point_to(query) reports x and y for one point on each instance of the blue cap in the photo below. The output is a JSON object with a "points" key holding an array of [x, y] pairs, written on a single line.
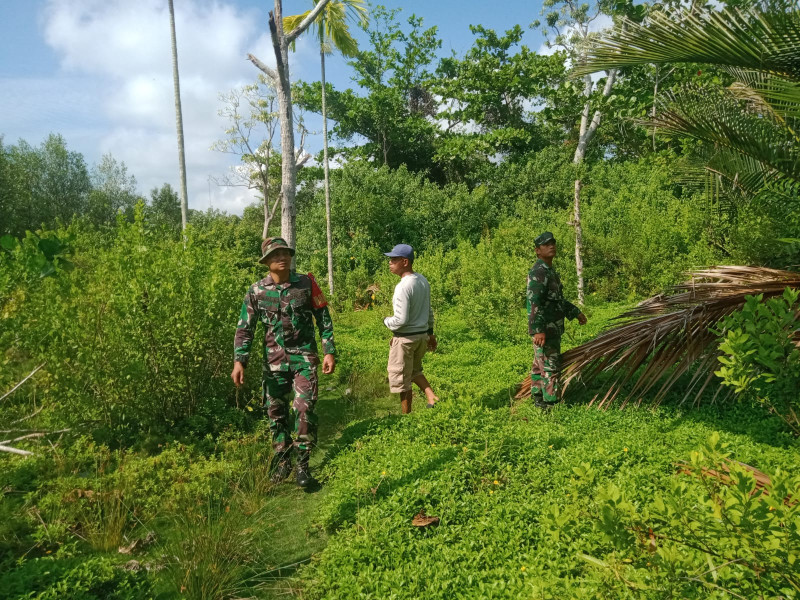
{"points": [[401, 251]]}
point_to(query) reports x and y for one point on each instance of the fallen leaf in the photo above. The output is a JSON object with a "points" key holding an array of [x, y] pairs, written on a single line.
{"points": [[423, 520]]}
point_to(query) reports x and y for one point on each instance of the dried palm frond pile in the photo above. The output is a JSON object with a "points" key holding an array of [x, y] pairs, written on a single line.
{"points": [[666, 337]]}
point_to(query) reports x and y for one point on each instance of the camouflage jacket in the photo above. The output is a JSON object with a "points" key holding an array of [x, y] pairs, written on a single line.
{"points": [[546, 305], [286, 311]]}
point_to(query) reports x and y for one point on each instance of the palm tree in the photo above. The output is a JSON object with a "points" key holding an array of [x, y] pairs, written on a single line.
{"points": [[750, 129], [332, 30], [178, 119]]}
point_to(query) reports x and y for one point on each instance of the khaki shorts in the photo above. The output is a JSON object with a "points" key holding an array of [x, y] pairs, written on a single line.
{"points": [[405, 360]]}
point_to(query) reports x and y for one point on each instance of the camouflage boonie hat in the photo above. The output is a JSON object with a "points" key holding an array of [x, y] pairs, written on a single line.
{"points": [[544, 238], [269, 245]]}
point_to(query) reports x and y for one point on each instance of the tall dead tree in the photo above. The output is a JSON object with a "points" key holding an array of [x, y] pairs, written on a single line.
{"points": [[280, 76], [569, 27], [585, 135]]}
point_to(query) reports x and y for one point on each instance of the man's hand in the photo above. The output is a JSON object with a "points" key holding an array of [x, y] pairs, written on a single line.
{"points": [[238, 374], [538, 339], [328, 364], [433, 343], [582, 319]]}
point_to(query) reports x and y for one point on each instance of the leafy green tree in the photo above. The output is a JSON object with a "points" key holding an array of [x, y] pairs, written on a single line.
{"points": [[7, 191], [48, 183], [164, 208], [113, 191], [750, 127], [332, 30], [489, 102], [395, 114]]}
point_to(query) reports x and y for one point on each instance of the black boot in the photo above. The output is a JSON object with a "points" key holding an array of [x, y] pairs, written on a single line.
{"points": [[304, 477], [539, 402], [281, 467]]}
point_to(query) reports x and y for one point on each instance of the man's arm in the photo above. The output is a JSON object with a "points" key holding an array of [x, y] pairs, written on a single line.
{"points": [[325, 326], [571, 311], [248, 318], [244, 337], [537, 284], [322, 317], [400, 303]]}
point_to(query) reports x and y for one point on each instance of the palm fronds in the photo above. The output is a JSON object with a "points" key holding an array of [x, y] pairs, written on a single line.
{"points": [[724, 119], [744, 39], [665, 337], [332, 28], [756, 118]]}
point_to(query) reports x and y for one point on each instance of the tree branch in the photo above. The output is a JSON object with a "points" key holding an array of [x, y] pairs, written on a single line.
{"points": [[268, 71], [15, 450], [30, 416], [312, 16], [31, 374]]}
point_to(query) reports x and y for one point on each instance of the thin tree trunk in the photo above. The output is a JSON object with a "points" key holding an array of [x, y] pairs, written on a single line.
{"points": [[280, 75], [179, 120], [576, 222], [265, 184], [267, 218], [288, 183], [586, 133], [326, 170]]}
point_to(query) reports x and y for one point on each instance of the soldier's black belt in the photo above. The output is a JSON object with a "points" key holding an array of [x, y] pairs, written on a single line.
{"points": [[395, 334]]}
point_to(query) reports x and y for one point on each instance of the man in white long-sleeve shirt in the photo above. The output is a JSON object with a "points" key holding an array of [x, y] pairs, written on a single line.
{"points": [[412, 328]]}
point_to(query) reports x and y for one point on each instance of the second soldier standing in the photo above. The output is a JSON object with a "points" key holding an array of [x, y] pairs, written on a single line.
{"points": [[547, 310], [287, 304]]}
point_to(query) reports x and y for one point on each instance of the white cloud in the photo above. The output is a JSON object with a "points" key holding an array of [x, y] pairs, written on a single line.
{"points": [[123, 48], [600, 23]]}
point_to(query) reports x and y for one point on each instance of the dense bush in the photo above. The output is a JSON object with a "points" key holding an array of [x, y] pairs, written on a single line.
{"points": [[759, 355], [137, 337], [715, 530], [639, 235]]}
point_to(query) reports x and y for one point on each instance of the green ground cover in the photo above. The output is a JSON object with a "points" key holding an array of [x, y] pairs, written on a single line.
{"points": [[530, 504]]}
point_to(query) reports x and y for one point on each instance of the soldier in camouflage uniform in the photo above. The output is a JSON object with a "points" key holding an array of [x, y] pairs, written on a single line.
{"points": [[547, 309], [287, 304]]}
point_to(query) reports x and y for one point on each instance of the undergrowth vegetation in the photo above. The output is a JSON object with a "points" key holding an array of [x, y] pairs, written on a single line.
{"points": [[572, 504]]}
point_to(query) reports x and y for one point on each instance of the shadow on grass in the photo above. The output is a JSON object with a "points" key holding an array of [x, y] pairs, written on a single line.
{"points": [[714, 410], [347, 511]]}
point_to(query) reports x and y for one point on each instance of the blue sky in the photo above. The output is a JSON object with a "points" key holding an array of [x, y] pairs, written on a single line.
{"points": [[99, 73]]}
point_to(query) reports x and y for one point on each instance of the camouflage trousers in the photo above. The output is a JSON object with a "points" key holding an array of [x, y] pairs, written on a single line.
{"points": [[298, 385], [546, 370]]}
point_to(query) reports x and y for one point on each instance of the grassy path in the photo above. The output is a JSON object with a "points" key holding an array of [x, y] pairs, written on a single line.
{"points": [[466, 367]]}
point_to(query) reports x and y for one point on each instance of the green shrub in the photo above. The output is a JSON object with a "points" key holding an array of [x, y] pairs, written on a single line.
{"points": [[714, 531], [84, 578], [138, 336], [759, 356]]}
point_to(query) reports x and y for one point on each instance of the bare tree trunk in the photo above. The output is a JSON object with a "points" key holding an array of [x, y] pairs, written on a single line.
{"points": [[280, 75], [267, 217], [288, 172], [179, 120], [327, 175], [265, 184], [586, 133], [576, 222]]}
